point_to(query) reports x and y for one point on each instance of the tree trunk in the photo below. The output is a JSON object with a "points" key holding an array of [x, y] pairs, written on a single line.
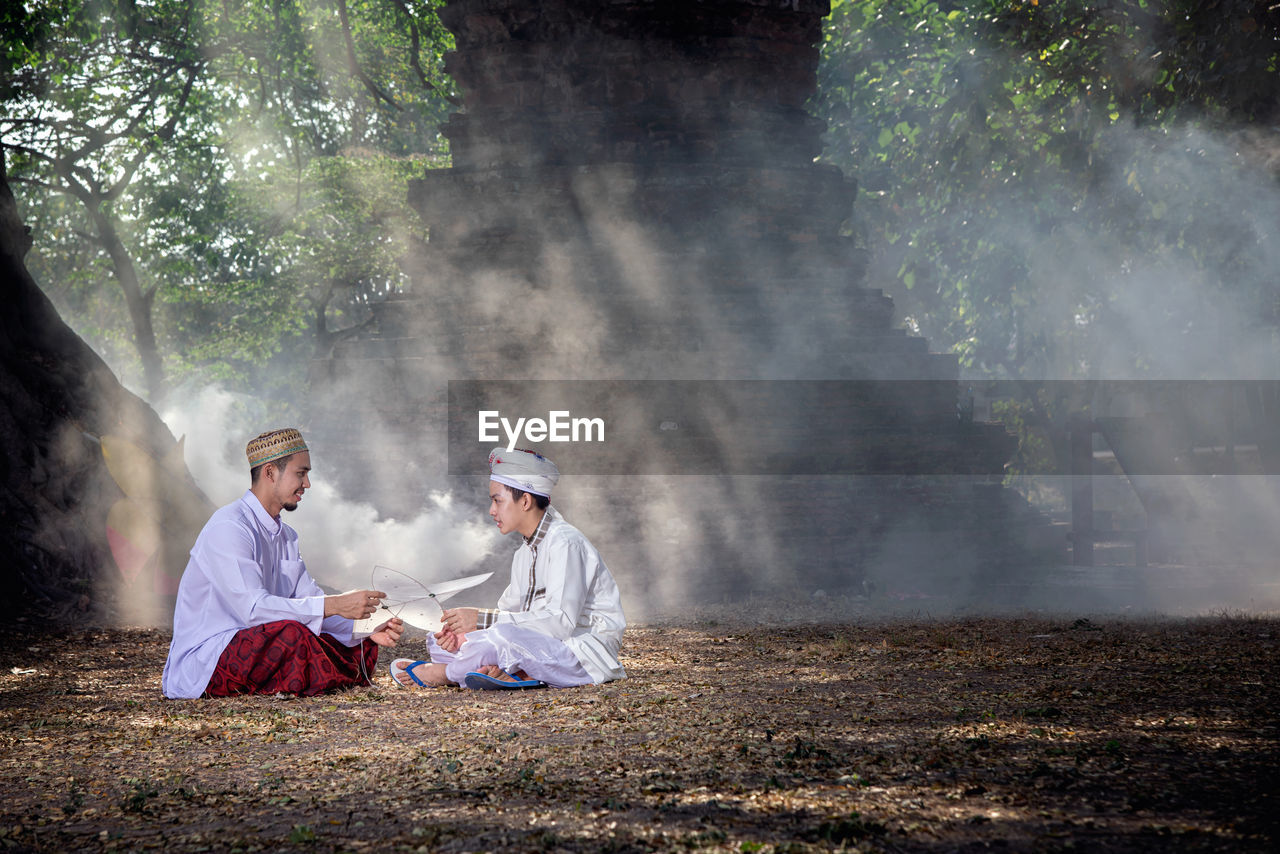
{"points": [[138, 301], [59, 400]]}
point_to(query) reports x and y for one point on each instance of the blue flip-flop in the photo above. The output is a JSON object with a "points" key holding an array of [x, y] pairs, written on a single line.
{"points": [[408, 670], [484, 682]]}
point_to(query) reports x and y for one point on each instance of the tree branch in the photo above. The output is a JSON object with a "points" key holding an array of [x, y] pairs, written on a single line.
{"points": [[36, 182], [164, 134], [72, 185], [349, 331], [416, 49], [69, 186], [30, 152], [98, 138], [355, 65]]}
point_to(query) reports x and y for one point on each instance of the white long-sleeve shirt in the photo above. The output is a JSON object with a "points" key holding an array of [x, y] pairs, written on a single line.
{"points": [[244, 571], [560, 587]]}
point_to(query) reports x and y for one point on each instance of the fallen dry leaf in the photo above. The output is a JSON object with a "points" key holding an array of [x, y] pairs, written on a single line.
{"points": [[1031, 734]]}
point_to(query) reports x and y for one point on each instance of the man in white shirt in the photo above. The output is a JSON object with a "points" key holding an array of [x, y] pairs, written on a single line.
{"points": [[560, 620], [249, 618]]}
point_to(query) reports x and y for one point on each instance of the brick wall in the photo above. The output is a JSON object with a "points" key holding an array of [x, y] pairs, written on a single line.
{"points": [[634, 195]]}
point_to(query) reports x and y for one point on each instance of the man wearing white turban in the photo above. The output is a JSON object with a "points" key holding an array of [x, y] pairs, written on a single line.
{"points": [[560, 620]]}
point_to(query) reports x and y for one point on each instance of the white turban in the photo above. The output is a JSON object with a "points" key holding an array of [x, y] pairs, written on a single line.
{"points": [[523, 470]]}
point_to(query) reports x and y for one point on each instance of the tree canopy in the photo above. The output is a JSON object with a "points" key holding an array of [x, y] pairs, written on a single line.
{"points": [[1047, 189], [1064, 189], [194, 152]]}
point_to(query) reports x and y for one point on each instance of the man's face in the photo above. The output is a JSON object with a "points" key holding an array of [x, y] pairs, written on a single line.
{"points": [[293, 480], [503, 509]]}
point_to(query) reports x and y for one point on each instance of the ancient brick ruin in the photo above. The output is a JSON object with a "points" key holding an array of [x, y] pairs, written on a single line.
{"points": [[634, 195], [654, 162]]}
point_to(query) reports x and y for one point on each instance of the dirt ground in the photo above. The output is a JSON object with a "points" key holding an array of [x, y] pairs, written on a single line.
{"points": [[1016, 734]]}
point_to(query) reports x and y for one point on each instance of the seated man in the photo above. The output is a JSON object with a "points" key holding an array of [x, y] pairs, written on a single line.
{"points": [[249, 619], [558, 623]]}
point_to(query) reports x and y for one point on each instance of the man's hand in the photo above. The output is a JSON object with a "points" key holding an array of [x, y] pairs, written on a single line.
{"points": [[449, 641], [388, 634], [354, 604], [460, 620]]}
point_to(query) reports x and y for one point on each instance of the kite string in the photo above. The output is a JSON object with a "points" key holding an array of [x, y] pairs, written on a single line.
{"points": [[373, 585], [364, 671]]}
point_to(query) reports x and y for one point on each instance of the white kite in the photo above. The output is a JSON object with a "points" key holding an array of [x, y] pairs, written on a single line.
{"points": [[409, 599]]}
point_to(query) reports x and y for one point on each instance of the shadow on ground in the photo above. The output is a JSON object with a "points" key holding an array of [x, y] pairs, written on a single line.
{"points": [[1033, 734]]}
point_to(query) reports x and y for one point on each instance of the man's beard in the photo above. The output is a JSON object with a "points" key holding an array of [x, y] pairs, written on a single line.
{"points": [[291, 506]]}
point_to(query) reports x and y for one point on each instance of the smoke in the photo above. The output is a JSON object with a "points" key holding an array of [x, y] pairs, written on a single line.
{"points": [[621, 299], [1187, 291], [676, 542], [1145, 252]]}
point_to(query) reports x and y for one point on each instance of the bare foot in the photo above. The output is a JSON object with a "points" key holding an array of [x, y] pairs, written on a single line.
{"points": [[501, 675]]}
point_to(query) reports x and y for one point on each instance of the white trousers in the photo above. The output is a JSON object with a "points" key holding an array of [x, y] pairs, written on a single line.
{"points": [[512, 648]]}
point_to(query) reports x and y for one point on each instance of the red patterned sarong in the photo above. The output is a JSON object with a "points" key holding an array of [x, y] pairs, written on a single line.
{"points": [[285, 657]]}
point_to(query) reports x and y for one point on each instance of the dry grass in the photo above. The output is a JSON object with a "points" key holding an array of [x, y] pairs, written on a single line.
{"points": [[1027, 734]]}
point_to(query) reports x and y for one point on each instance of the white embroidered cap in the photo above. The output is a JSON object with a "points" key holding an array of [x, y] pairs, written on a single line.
{"points": [[524, 470]]}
